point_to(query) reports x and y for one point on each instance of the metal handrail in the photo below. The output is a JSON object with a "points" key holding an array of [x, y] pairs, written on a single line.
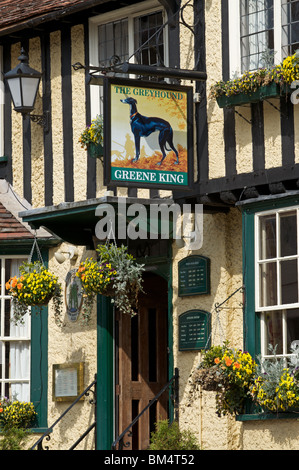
{"points": [[175, 380], [47, 433]]}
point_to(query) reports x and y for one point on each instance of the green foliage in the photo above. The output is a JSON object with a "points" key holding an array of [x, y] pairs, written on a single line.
{"points": [[13, 438], [115, 274], [127, 281], [169, 437]]}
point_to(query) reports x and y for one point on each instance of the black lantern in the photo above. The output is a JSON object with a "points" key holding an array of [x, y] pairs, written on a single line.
{"points": [[23, 82]]}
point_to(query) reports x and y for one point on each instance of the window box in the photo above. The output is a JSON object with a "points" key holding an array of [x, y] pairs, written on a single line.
{"points": [[263, 93]]}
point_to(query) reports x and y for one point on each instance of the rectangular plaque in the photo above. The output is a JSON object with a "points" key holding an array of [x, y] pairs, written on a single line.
{"points": [[194, 275], [67, 381], [194, 330]]}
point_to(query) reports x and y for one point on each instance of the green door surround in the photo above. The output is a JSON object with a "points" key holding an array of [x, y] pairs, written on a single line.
{"points": [[105, 358]]}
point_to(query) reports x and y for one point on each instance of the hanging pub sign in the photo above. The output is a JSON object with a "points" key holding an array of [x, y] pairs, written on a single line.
{"points": [[148, 134]]}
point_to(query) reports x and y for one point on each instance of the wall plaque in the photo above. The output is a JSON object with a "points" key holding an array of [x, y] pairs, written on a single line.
{"points": [[194, 275], [194, 330], [67, 381]]}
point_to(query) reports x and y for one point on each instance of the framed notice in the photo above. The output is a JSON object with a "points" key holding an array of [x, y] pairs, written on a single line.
{"points": [[67, 381], [194, 330], [148, 134], [194, 275]]}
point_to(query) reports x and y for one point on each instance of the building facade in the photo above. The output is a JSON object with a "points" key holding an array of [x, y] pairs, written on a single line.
{"points": [[244, 174]]}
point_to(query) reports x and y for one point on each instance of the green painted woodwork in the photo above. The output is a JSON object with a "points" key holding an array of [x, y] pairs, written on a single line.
{"points": [[39, 358], [105, 370]]}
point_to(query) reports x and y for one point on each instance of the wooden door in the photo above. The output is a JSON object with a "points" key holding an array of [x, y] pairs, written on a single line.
{"points": [[142, 364]]}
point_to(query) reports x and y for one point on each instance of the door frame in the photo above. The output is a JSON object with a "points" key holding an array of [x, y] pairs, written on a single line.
{"points": [[105, 354]]}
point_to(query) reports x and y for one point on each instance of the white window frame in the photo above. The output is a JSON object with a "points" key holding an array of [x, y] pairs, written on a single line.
{"points": [[131, 12], [279, 307], [4, 339], [235, 35]]}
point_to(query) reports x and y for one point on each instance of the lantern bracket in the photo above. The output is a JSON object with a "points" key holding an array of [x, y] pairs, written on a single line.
{"points": [[41, 119]]}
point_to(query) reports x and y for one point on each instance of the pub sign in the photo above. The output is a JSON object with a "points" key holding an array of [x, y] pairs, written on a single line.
{"points": [[148, 134]]}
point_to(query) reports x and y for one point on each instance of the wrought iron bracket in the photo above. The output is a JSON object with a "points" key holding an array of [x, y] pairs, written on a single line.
{"points": [[42, 120]]}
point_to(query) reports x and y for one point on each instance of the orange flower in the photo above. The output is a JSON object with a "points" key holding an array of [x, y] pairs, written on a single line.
{"points": [[228, 361], [14, 282], [217, 360], [20, 285], [82, 268], [237, 365], [7, 285]]}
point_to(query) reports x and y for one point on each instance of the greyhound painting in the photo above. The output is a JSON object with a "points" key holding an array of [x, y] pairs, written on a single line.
{"points": [[143, 126]]}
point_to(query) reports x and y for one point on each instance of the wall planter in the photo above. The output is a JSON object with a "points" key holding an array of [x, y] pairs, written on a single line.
{"points": [[262, 93]]}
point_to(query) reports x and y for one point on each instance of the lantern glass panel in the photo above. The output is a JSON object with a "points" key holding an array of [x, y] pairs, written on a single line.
{"points": [[29, 90], [15, 90]]}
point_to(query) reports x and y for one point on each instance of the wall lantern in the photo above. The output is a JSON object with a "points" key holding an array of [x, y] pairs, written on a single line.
{"points": [[23, 83]]}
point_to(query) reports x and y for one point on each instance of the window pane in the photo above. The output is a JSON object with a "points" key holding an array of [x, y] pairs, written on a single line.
{"points": [[267, 237], [113, 41], [257, 39], [290, 26], [288, 234], [268, 284], [289, 281], [149, 35], [292, 326], [273, 321]]}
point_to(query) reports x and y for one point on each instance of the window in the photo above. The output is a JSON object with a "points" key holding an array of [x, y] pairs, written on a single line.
{"points": [[257, 34], [276, 278], [121, 34], [269, 32], [14, 341]]}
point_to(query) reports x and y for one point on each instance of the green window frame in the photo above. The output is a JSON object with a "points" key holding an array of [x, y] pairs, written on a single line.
{"points": [[252, 318]]}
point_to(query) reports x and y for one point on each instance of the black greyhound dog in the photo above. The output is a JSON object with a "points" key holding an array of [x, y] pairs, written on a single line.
{"points": [[143, 126]]}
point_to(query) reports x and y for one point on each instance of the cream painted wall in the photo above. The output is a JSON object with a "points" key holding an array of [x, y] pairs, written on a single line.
{"points": [[71, 343]]}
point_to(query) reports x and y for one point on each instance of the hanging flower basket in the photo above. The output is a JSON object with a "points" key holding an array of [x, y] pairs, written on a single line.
{"points": [[115, 274], [35, 287], [91, 138], [229, 372]]}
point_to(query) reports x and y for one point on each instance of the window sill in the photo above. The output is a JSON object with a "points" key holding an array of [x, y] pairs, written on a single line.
{"points": [[263, 93]]}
